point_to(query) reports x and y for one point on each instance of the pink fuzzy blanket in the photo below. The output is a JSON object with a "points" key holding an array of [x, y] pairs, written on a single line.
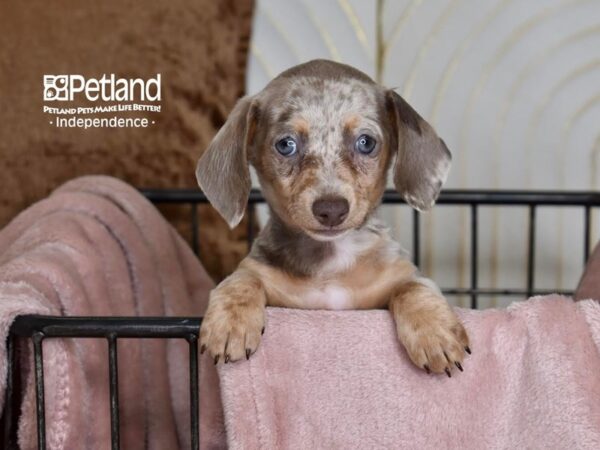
{"points": [[340, 380], [97, 247], [320, 379]]}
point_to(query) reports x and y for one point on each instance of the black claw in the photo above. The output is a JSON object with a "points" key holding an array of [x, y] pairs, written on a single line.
{"points": [[248, 351], [448, 372], [458, 365], [226, 358], [202, 349], [427, 369], [262, 331], [217, 359], [468, 350]]}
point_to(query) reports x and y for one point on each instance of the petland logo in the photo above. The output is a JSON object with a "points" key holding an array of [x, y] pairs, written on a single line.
{"points": [[108, 88]]}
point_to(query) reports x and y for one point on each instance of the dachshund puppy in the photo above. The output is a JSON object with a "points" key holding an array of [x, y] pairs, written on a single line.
{"points": [[322, 137]]}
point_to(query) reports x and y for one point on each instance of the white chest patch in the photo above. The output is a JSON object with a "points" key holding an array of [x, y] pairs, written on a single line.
{"points": [[330, 296], [330, 287], [346, 251]]}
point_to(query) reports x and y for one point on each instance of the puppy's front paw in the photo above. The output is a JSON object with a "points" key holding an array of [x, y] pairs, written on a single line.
{"points": [[231, 327], [432, 334]]}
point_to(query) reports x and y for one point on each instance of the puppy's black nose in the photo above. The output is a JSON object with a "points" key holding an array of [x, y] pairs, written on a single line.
{"points": [[331, 211]]}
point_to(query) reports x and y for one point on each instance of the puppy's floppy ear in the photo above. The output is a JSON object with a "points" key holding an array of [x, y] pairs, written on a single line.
{"points": [[222, 172], [422, 161]]}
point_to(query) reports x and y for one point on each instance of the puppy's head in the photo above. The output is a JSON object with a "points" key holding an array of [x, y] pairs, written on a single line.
{"points": [[321, 137]]}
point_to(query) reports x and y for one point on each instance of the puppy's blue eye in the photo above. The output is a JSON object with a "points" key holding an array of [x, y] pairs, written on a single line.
{"points": [[365, 144], [286, 146]]}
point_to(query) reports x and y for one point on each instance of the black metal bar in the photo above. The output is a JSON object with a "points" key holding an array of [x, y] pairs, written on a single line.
{"points": [[113, 370], [447, 197], [38, 356], [416, 238], [250, 225], [97, 327], [194, 394], [9, 416], [194, 221], [474, 262], [189, 196], [531, 251], [506, 292], [586, 234], [512, 197]]}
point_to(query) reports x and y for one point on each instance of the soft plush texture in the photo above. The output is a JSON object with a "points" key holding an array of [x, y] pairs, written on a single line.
{"points": [[97, 247], [320, 379], [589, 284], [341, 380], [200, 49]]}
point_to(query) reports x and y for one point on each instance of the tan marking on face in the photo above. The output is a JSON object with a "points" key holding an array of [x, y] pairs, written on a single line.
{"points": [[351, 122], [365, 174], [300, 126], [287, 195]]}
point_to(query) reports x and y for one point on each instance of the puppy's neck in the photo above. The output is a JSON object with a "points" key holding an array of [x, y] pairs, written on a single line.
{"points": [[296, 253]]}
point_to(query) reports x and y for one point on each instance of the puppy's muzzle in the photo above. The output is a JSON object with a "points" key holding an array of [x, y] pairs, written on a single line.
{"points": [[331, 211]]}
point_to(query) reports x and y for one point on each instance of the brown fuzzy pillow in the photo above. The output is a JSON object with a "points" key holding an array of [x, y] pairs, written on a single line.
{"points": [[200, 50]]}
